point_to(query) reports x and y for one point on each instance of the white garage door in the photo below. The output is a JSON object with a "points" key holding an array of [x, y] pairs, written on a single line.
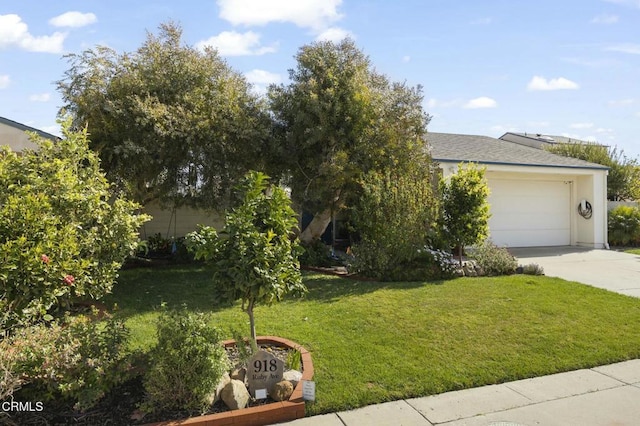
{"points": [[529, 213]]}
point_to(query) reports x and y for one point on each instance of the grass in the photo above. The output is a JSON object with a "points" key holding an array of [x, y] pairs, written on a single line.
{"points": [[633, 251], [373, 342]]}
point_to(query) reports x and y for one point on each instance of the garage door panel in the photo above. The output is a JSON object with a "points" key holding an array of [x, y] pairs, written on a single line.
{"points": [[529, 213]]}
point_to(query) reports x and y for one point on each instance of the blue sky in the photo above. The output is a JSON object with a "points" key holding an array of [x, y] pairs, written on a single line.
{"points": [[557, 67]]}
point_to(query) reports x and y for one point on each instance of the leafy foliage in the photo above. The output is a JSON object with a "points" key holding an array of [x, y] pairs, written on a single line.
{"points": [[186, 364], [337, 120], [256, 258], [79, 358], [392, 217], [494, 260], [465, 210], [623, 181], [624, 226], [169, 121], [63, 234]]}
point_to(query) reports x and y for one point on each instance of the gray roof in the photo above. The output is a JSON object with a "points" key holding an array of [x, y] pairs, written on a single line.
{"points": [[24, 127], [487, 150]]}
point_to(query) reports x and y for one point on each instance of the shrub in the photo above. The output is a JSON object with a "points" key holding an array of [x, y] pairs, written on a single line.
{"points": [[185, 365], [63, 233], [316, 253], [392, 217], [624, 226], [80, 359], [494, 260], [532, 269]]}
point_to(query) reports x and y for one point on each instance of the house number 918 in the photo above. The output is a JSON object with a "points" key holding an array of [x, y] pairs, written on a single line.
{"points": [[264, 365]]}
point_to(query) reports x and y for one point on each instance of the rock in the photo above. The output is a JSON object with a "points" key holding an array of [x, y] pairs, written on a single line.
{"points": [[239, 374], [215, 395], [282, 390], [235, 395], [293, 376], [469, 271]]}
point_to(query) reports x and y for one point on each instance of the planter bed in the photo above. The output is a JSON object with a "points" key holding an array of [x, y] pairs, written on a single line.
{"points": [[261, 415]]}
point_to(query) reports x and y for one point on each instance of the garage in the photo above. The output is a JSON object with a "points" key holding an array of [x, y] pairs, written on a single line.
{"points": [[529, 213], [534, 194]]}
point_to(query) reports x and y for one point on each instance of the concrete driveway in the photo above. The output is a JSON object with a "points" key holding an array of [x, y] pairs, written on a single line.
{"points": [[608, 269]]}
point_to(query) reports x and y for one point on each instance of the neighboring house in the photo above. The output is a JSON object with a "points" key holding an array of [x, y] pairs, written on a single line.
{"points": [[538, 140], [14, 135], [537, 198]]}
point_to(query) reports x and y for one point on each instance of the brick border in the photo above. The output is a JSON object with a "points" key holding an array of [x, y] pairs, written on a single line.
{"points": [[264, 414]]}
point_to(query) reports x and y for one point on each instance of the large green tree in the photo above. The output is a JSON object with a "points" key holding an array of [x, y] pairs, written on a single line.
{"points": [[338, 119], [169, 121], [623, 181]]}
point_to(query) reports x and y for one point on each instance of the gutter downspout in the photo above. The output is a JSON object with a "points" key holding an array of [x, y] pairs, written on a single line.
{"points": [[606, 213]]}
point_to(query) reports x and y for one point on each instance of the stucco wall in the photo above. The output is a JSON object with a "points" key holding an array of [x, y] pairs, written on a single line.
{"points": [[16, 139], [177, 223]]}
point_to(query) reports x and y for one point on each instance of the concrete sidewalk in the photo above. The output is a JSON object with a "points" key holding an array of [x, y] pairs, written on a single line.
{"points": [[607, 395], [609, 269]]}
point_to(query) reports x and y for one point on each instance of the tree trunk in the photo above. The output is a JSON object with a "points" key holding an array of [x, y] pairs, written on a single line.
{"points": [[460, 254], [252, 325], [316, 227]]}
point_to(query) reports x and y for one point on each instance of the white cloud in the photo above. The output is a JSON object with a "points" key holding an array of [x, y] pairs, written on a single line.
{"points": [[631, 48], [263, 77], [541, 83], [581, 125], [334, 34], [481, 102], [500, 128], [40, 97], [605, 19], [260, 79], [604, 130], [5, 80], [314, 14], [14, 32], [406, 58], [73, 19], [431, 103], [232, 43]]}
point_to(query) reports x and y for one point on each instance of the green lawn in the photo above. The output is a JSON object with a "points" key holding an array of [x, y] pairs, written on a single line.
{"points": [[374, 342], [633, 251]]}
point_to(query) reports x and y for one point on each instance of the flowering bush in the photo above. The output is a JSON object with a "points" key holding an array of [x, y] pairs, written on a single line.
{"points": [[63, 233], [494, 260], [79, 359]]}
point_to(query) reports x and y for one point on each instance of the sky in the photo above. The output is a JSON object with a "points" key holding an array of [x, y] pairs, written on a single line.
{"points": [[555, 67]]}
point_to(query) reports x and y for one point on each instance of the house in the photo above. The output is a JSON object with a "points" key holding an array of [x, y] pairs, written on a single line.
{"points": [[538, 140], [14, 135], [537, 198]]}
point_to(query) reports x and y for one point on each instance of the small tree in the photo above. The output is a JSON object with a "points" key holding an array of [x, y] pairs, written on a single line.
{"points": [[63, 233], [465, 208], [256, 256]]}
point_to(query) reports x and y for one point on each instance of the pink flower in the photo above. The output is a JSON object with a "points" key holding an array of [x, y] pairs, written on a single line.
{"points": [[69, 279], [44, 258]]}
